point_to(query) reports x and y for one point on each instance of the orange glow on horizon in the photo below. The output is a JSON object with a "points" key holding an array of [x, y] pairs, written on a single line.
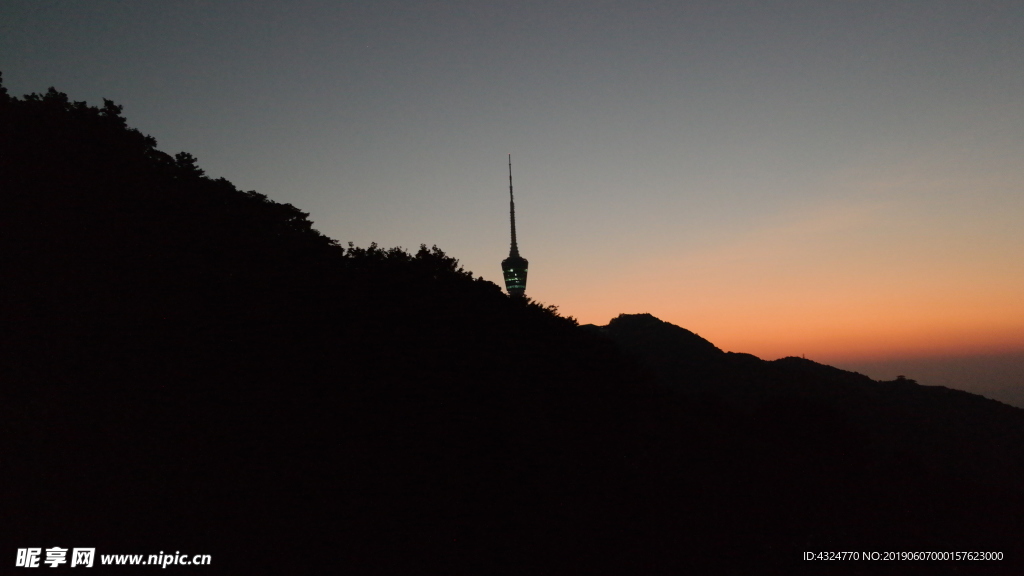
{"points": [[820, 287], [830, 339]]}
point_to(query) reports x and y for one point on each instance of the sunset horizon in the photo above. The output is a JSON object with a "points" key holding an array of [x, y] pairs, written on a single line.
{"points": [[838, 181]]}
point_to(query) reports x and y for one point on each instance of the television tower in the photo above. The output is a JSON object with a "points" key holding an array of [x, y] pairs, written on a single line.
{"points": [[515, 266]]}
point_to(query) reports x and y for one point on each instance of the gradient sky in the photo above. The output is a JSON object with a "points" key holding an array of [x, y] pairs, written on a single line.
{"points": [[839, 179]]}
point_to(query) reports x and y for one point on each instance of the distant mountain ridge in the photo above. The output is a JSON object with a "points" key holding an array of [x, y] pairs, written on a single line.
{"points": [[938, 425]]}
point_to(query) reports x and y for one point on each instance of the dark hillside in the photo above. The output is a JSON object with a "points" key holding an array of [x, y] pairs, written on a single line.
{"points": [[878, 462], [189, 367]]}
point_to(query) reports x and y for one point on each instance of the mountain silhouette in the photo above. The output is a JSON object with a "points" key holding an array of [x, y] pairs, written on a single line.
{"points": [[189, 367], [942, 427]]}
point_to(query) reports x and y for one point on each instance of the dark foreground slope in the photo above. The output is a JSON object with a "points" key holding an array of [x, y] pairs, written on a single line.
{"points": [[188, 367]]}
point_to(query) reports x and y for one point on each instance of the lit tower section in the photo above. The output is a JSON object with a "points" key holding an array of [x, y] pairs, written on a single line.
{"points": [[514, 266]]}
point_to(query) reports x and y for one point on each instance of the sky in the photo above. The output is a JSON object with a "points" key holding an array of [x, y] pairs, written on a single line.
{"points": [[841, 180]]}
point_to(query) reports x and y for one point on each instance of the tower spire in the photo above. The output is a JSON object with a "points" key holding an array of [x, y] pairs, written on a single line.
{"points": [[514, 250], [515, 266]]}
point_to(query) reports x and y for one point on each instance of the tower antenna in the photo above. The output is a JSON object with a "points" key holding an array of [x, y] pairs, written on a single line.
{"points": [[514, 251]]}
